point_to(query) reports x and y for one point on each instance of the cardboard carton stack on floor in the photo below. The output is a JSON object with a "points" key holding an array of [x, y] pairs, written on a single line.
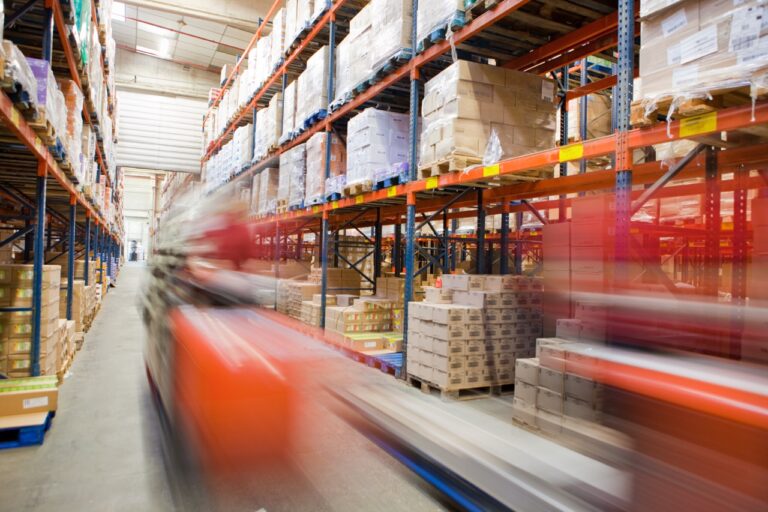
{"points": [[468, 333], [340, 280], [22, 397], [310, 309], [16, 328], [555, 388], [393, 289], [367, 315], [298, 293], [78, 302], [471, 111]]}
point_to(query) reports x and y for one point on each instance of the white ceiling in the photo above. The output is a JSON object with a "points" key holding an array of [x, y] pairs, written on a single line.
{"points": [[183, 39]]}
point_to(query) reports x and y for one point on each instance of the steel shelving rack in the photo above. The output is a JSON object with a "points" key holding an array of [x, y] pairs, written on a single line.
{"points": [[54, 213], [416, 204]]}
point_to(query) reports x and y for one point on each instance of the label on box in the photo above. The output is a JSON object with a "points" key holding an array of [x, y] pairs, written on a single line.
{"points": [[674, 58], [699, 45], [674, 22], [32, 403], [746, 25], [548, 90]]}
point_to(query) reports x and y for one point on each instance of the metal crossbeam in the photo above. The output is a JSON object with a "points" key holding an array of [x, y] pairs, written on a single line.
{"points": [[19, 13], [535, 212], [666, 178], [20, 233]]}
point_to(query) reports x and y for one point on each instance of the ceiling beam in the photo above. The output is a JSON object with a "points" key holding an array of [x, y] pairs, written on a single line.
{"points": [[186, 9]]}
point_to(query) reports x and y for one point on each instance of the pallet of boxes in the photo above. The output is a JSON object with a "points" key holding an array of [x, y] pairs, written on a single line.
{"points": [[346, 281], [85, 301], [464, 338]]}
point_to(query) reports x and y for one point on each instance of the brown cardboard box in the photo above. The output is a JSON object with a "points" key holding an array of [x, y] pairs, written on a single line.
{"points": [[40, 395]]}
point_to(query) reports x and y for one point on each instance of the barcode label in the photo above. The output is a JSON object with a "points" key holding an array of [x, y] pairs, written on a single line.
{"points": [[32, 403]]}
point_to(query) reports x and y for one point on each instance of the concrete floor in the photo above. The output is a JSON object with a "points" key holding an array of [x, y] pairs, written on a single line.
{"points": [[103, 449]]}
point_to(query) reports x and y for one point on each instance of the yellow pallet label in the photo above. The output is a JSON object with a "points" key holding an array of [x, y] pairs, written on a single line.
{"points": [[316, 209], [705, 123], [432, 182], [571, 152], [359, 199], [15, 117], [335, 205], [491, 170], [392, 191]]}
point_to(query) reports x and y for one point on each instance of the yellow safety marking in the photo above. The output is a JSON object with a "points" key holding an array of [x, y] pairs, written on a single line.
{"points": [[571, 152], [316, 209], [15, 117], [392, 191], [359, 199], [491, 170], [335, 205], [432, 182], [690, 126]]}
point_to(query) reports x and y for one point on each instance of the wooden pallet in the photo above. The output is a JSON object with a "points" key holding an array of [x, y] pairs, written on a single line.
{"points": [[641, 117], [446, 165], [479, 7], [452, 394], [357, 188]]}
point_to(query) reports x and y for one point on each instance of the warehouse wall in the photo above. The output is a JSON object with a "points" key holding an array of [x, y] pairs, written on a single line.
{"points": [[240, 13], [142, 72], [141, 191]]}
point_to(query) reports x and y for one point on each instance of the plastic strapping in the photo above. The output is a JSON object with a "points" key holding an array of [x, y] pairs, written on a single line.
{"points": [[449, 37]]}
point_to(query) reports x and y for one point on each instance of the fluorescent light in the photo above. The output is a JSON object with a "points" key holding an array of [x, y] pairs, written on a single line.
{"points": [[118, 11], [152, 29], [165, 48], [150, 51]]}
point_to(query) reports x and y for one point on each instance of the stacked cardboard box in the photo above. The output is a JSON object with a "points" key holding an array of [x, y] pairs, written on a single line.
{"points": [[312, 87], [393, 29], [366, 315], [377, 142], [16, 328], [342, 280], [468, 333], [293, 172], [556, 386], [556, 245], [592, 242], [277, 46], [475, 110], [26, 396], [78, 302], [435, 14], [316, 156], [269, 180], [310, 309], [289, 121], [353, 54], [694, 47], [298, 293], [268, 127]]}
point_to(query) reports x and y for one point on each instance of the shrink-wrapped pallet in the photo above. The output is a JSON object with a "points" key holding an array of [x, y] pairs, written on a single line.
{"points": [[50, 101], [304, 9], [435, 14], [73, 99], [254, 198], [694, 48], [353, 62], [17, 69], [290, 24], [243, 147], [316, 156], [268, 183], [312, 88], [268, 125], [376, 141], [277, 45], [263, 62], [293, 170], [289, 110], [393, 29], [476, 112], [320, 7]]}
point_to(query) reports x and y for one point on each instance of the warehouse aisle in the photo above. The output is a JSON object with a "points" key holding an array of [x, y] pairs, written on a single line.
{"points": [[102, 452]]}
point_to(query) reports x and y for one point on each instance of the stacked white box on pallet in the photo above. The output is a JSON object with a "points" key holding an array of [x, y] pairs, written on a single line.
{"points": [[277, 45], [393, 29], [434, 14], [268, 127], [376, 140], [353, 54], [293, 170], [269, 180], [290, 100], [312, 84]]}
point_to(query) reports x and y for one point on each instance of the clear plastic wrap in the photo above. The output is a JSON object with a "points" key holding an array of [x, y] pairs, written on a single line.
{"points": [[268, 127], [483, 112], [293, 171], [316, 153], [393, 29], [693, 49], [253, 200], [434, 14], [376, 140], [319, 9], [243, 147], [312, 88], [335, 185], [17, 68], [263, 66], [277, 46], [50, 101], [598, 117], [304, 10], [73, 99], [290, 24], [268, 183], [353, 61], [289, 110]]}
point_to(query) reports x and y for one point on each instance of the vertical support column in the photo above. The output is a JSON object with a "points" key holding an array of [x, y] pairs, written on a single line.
{"points": [[625, 77], [454, 245], [504, 261], [377, 255], [446, 249], [110, 250], [71, 248], [87, 261], [47, 34], [276, 257], [324, 234], [583, 118], [48, 235], [324, 265], [29, 238], [37, 279], [397, 254], [480, 234], [712, 225], [563, 136], [518, 243], [739, 272]]}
